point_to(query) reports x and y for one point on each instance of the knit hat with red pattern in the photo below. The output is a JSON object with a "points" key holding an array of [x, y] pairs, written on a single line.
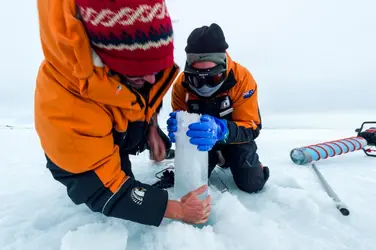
{"points": [[132, 37]]}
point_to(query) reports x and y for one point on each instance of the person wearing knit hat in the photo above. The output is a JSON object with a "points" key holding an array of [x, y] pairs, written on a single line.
{"points": [[226, 95], [107, 67]]}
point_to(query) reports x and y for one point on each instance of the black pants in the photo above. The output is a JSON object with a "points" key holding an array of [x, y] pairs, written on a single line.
{"points": [[244, 163]]}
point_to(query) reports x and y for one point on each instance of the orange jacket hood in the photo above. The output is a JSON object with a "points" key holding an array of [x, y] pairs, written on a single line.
{"points": [[64, 41], [67, 48]]}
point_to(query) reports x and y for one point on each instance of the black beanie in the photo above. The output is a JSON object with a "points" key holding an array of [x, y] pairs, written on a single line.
{"points": [[206, 40]]}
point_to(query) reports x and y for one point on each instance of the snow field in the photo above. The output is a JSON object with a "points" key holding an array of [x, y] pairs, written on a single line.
{"points": [[293, 211]]}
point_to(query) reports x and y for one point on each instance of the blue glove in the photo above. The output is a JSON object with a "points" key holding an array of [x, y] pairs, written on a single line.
{"points": [[206, 133], [172, 126]]}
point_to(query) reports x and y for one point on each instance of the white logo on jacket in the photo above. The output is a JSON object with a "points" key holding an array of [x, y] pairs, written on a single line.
{"points": [[226, 103], [137, 195]]}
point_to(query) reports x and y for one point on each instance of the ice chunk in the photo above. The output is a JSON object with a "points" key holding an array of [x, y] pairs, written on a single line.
{"points": [[191, 165]]}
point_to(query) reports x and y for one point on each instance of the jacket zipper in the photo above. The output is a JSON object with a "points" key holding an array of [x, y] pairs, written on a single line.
{"points": [[163, 87]]}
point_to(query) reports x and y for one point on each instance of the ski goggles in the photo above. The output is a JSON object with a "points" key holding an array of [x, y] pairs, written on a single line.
{"points": [[200, 77]]}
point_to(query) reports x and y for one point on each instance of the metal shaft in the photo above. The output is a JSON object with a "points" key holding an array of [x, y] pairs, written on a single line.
{"points": [[339, 204]]}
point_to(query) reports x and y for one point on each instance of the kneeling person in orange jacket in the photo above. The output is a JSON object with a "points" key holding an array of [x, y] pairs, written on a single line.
{"points": [[225, 93], [97, 97]]}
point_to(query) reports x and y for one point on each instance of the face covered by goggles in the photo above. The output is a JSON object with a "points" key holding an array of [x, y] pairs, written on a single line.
{"points": [[205, 81]]}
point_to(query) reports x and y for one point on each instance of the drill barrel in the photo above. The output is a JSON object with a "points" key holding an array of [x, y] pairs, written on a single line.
{"points": [[316, 152]]}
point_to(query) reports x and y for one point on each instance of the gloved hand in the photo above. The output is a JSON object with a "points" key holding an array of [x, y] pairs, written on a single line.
{"points": [[172, 126], [206, 133]]}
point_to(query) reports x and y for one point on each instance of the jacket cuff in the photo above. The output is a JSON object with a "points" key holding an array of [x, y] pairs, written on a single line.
{"points": [[137, 202], [238, 134]]}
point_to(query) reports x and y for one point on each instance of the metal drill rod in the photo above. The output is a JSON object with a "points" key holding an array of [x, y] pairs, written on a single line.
{"points": [[339, 204]]}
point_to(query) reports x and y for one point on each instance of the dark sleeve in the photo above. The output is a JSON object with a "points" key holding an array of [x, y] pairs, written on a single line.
{"points": [[137, 202], [241, 134], [133, 201]]}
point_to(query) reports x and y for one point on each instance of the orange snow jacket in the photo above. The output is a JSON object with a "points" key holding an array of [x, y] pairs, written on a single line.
{"points": [[236, 101], [85, 116]]}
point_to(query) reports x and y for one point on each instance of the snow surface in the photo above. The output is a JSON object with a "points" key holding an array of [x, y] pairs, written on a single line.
{"points": [[292, 212], [314, 63]]}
